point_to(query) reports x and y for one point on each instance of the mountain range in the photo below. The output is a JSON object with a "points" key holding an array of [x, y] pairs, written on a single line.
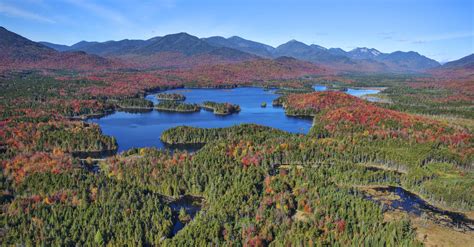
{"points": [[185, 50], [359, 59]]}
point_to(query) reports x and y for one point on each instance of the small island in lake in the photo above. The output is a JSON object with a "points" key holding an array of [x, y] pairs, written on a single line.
{"points": [[134, 103], [221, 108], [171, 96], [172, 106]]}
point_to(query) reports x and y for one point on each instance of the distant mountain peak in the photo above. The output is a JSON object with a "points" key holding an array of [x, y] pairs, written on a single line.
{"points": [[294, 41], [181, 35], [365, 50], [293, 44], [236, 38], [238, 43]]}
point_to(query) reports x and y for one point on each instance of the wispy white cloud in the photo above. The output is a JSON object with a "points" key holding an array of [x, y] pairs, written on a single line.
{"points": [[13, 11], [101, 11], [426, 39], [441, 37]]}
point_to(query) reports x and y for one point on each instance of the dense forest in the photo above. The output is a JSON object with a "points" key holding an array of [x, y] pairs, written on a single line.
{"points": [[260, 186]]}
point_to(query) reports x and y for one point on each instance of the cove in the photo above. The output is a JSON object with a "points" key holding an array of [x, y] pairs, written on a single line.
{"points": [[143, 129]]}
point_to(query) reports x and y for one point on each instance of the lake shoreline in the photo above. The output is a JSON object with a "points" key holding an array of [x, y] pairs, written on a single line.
{"points": [[239, 93]]}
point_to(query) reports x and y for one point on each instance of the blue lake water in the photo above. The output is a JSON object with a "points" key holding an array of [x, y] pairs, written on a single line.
{"points": [[144, 129], [320, 88]]}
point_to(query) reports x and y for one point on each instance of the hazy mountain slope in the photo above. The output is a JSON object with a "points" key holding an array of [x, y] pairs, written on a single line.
{"points": [[173, 50], [17, 52], [466, 62], [241, 44], [180, 42], [337, 51], [409, 61], [14, 47], [183, 50], [315, 54], [461, 68], [328, 58], [109, 48], [56, 47]]}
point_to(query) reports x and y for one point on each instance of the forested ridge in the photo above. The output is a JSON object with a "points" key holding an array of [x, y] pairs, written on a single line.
{"points": [[260, 186]]}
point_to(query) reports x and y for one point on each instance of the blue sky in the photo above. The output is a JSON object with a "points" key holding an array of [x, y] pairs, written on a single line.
{"points": [[440, 29]]}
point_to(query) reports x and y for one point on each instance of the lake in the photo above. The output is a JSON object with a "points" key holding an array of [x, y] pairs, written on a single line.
{"points": [[144, 129]]}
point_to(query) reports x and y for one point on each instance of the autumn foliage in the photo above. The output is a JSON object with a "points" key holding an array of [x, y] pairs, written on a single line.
{"points": [[339, 114], [26, 164]]}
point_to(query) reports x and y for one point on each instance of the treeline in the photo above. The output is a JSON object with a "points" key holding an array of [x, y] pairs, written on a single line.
{"points": [[285, 91], [134, 103], [191, 135], [177, 107], [221, 108], [171, 96]]}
